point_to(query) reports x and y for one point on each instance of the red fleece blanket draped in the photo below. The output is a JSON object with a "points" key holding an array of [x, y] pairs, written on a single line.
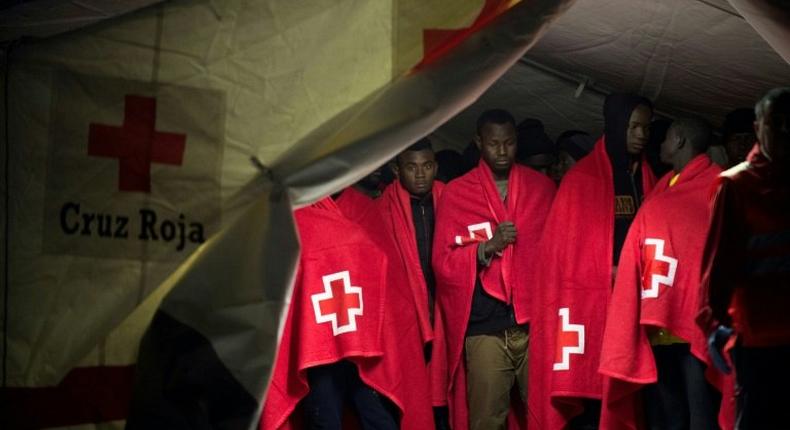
{"points": [[354, 204], [392, 217], [391, 226], [574, 280], [341, 308], [469, 211], [658, 281]]}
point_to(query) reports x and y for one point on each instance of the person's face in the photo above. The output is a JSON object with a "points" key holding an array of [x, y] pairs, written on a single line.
{"points": [[561, 167], [773, 133], [669, 146], [416, 171], [540, 162], [638, 130], [372, 180], [497, 144], [738, 146]]}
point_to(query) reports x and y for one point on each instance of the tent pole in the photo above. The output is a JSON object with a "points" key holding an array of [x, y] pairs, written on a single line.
{"points": [[589, 83]]}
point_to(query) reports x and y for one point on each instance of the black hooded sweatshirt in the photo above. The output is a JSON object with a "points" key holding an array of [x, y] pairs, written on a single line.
{"points": [[617, 110]]}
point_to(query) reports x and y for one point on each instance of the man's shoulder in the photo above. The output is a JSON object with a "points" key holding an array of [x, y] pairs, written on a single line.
{"points": [[534, 179], [588, 165], [530, 174], [737, 172], [438, 187], [320, 230], [460, 183], [582, 176], [739, 177]]}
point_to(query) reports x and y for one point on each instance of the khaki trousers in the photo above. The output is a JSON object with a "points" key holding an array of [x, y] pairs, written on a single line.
{"points": [[493, 364]]}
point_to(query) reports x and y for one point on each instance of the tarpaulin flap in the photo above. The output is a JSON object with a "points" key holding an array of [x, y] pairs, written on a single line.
{"points": [[160, 152], [47, 18]]}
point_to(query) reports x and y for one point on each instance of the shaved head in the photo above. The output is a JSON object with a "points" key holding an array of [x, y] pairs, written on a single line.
{"points": [[696, 131]]}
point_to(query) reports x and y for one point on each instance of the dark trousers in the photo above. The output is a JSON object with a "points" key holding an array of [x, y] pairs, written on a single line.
{"points": [[589, 418], [681, 399], [763, 387], [335, 385]]}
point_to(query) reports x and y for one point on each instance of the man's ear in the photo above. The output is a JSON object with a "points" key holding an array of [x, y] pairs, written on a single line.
{"points": [[395, 169], [682, 141], [478, 142]]}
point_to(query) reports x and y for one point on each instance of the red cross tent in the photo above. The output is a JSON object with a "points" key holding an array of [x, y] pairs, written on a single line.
{"points": [[153, 152]]}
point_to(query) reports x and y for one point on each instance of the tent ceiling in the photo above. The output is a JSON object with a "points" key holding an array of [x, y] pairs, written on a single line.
{"points": [[688, 56]]}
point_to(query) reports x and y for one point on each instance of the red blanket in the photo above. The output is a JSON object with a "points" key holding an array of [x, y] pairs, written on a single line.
{"points": [[575, 280], [392, 217], [658, 279], [468, 213], [390, 225], [340, 309], [354, 204]]}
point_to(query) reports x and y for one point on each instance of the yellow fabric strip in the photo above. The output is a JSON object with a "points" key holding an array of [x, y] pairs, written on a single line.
{"points": [[660, 336]]}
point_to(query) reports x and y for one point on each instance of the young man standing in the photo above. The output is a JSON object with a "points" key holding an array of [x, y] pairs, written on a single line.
{"points": [[580, 247], [488, 224], [408, 213], [652, 350], [402, 223]]}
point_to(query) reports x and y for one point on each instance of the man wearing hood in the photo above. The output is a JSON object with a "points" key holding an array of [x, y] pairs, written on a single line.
{"points": [[581, 243]]}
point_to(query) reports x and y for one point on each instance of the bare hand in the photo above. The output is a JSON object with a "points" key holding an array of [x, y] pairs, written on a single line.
{"points": [[505, 235]]}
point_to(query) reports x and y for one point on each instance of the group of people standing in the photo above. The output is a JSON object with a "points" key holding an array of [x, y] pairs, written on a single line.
{"points": [[616, 300]]}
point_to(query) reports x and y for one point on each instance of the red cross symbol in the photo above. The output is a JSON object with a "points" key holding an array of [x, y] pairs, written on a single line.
{"points": [[570, 340], [437, 42], [659, 268], [477, 233], [136, 144], [340, 303]]}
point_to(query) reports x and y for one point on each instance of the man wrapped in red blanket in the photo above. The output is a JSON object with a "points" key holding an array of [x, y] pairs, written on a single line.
{"points": [[588, 222], [653, 356], [402, 223], [345, 344], [487, 229]]}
